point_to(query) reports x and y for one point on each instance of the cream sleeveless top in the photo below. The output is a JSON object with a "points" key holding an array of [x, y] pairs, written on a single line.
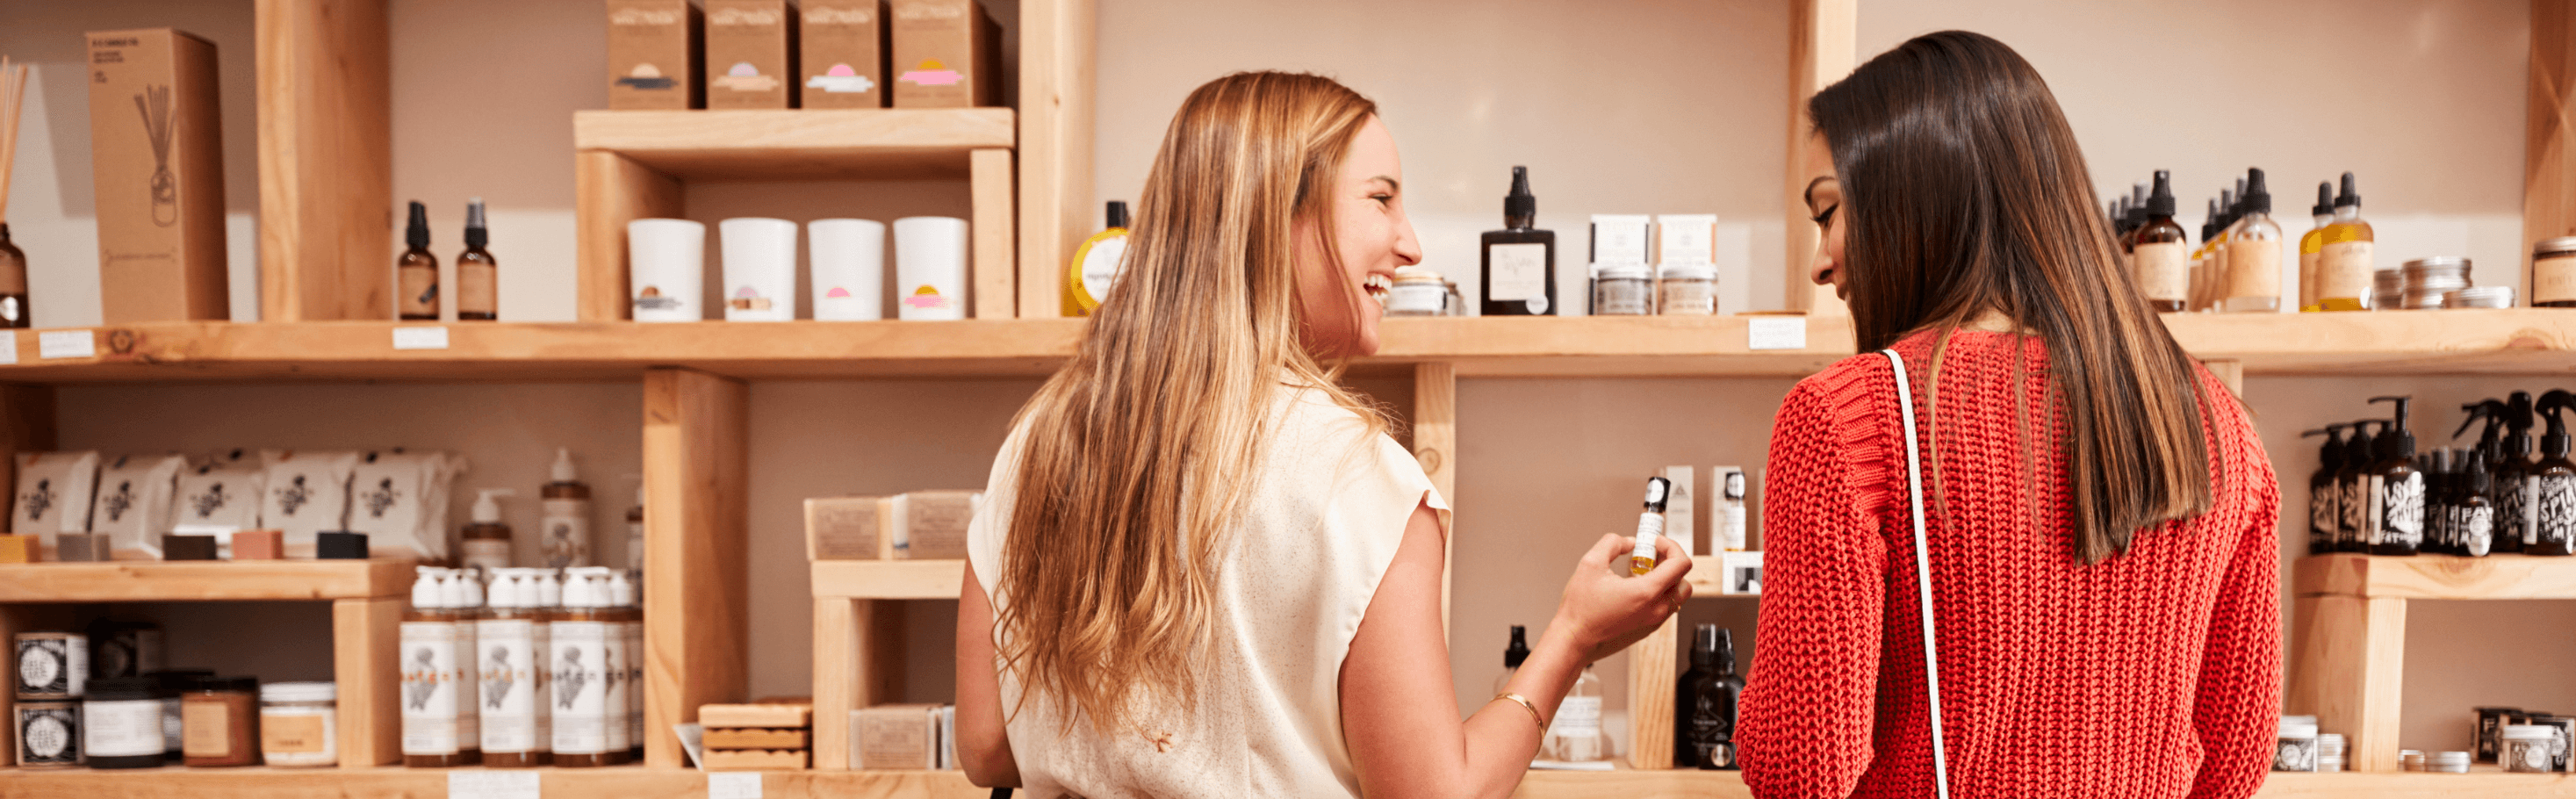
{"points": [[1316, 534]]}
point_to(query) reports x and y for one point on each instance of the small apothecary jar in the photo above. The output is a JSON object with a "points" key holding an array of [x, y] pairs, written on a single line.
{"points": [[1687, 290], [2553, 273], [1624, 290], [2297, 747], [2527, 748], [121, 723], [299, 724], [1417, 292], [219, 722]]}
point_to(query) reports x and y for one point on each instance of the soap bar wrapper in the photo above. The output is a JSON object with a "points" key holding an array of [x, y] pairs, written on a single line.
{"points": [[222, 492], [136, 501], [305, 492], [399, 499], [54, 490], [931, 525]]}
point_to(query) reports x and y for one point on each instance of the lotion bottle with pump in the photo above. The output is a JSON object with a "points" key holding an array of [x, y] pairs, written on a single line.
{"points": [[512, 635], [416, 272], [630, 613], [2312, 244], [465, 598], [2324, 523], [2157, 256], [2344, 261], [2353, 529], [2396, 487], [485, 543], [581, 640], [567, 522], [2254, 252], [430, 661], [2553, 481]]}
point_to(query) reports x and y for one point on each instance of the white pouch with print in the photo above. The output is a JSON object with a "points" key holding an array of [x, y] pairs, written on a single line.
{"points": [[54, 490], [398, 499], [306, 492], [135, 506], [219, 492]]}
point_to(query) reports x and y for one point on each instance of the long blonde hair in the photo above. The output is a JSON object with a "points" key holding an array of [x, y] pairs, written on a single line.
{"points": [[1136, 455]]}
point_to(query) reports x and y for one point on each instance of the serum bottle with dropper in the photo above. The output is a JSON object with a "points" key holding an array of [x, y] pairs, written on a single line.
{"points": [[2254, 252], [2311, 244], [2344, 258], [478, 290], [416, 272], [1650, 526], [2157, 250]]}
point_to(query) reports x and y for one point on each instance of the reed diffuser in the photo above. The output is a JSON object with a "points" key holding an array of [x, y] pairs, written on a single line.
{"points": [[13, 261]]}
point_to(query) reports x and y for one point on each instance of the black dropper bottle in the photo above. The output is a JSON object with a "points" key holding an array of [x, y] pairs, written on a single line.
{"points": [[2352, 529], [2398, 515], [2323, 524], [1709, 740], [2516, 513], [416, 272], [1519, 261], [2554, 479]]}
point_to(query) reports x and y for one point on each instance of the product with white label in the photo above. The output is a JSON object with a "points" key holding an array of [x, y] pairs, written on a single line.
{"points": [[121, 723], [436, 640], [567, 520], [512, 643], [54, 491], [1519, 261], [580, 637]]}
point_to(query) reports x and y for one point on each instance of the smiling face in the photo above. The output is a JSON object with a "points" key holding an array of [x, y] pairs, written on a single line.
{"points": [[1339, 303], [1824, 204]]}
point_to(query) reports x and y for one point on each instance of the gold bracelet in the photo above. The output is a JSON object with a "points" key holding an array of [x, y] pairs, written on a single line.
{"points": [[1525, 705]]}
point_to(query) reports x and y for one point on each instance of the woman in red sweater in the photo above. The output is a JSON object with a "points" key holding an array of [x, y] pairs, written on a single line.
{"points": [[2099, 508]]}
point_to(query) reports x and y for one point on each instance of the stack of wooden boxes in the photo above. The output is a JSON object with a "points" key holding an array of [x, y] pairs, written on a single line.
{"points": [[759, 736]]}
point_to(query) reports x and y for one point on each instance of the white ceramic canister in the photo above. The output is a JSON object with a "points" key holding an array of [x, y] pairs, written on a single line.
{"points": [[930, 267], [759, 269], [667, 269], [849, 268]]}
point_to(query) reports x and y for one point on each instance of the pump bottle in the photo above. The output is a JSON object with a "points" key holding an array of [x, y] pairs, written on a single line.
{"points": [[2311, 244], [1714, 693], [437, 707], [2353, 529], [2344, 262], [2473, 516], [1519, 268], [485, 543], [567, 522], [2484, 456], [2157, 257], [1513, 655], [2324, 524], [2553, 482], [2396, 487], [416, 272], [513, 637], [2254, 252], [581, 642], [2517, 515], [1575, 734], [630, 615]]}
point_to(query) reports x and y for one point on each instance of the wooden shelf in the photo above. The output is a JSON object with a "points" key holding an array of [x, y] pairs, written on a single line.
{"points": [[816, 144], [888, 579], [219, 580], [2436, 577]]}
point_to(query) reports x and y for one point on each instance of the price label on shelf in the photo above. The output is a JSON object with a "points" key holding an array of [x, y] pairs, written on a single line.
{"points": [[733, 785], [492, 785], [8, 346], [421, 337], [1776, 333], [65, 344]]}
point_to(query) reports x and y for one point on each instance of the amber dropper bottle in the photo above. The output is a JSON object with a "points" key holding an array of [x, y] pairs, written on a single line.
{"points": [[416, 272], [13, 282], [2158, 249], [478, 289]]}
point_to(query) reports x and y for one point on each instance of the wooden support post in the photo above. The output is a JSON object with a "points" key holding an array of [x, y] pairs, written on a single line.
{"points": [[325, 160], [1435, 446], [1057, 43], [1823, 40], [696, 599], [2348, 669], [1650, 697], [612, 191], [995, 270], [2549, 154], [2231, 373], [858, 663], [366, 657]]}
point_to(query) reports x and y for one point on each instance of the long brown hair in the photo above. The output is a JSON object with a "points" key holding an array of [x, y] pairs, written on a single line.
{"points": [[1966, 194], [1136, 455]]}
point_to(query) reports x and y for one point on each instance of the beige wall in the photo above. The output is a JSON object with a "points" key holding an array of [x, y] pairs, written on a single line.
{"points": [[1631, 106]]}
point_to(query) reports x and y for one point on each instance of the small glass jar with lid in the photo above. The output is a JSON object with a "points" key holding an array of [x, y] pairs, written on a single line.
{"points": [[2295, 748], [2527, 749], [220, 722], [121, 723], [1687, 290], [2553, 273], [1624, 290], [299, 724], [1417, 292], [2479, 297]]}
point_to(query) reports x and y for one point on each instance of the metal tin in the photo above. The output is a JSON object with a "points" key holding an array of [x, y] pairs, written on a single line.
{"points": [[2560, 246], [49, 734], [52, 665], [2388, 288], [2479, 297], [2296, 748], [2527, 748]]}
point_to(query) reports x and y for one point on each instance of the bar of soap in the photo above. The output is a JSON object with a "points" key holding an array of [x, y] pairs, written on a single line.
{"points": [[340, 546], [188, 547], [83, 548], [259, 545], [21, 549]]}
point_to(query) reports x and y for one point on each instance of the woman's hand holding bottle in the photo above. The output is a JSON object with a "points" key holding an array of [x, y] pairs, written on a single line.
{"points": [[1606, 609]]}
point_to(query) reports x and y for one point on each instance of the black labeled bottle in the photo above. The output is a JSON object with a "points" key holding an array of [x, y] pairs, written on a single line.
{"points": [[416, 272], [1520, 260], [1713, 690], [2396, 487], [2438, 484], [2159, 250], [2512, 477], [2552, 483], [2353, 484], [13, 282], [2473, 515], [2324, 521], [478, 289], [1513, 655]]}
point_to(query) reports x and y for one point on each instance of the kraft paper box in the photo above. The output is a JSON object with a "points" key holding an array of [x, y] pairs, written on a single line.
{"points": [[848, 528], [947, 54], [841, 54], [653, 55], [157, 168], [896, 737], [931, 525], [751, 54]]}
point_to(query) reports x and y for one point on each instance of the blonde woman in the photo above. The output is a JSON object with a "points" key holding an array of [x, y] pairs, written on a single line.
{"points": [[1211, 571]]}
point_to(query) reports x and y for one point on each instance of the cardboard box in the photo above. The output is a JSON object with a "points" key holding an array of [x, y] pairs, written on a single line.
{"points": [[946, 54], [157, 165], [751, 54], [1740, 573], [931, 525], [654, 55], [840, 54], [849, 528], [1681, 516], [83, 548], [895, 737]]}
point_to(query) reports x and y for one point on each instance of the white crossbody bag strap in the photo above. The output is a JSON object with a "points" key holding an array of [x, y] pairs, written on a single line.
{"points": [[1922, 573]]}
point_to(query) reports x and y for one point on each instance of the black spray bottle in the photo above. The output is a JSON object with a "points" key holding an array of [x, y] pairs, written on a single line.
{"points": [[1520, 260], [2516, 513], [2553, 482], [1708, 702], [2483, 455], [2473, 517], [1513, 655], [2324, 522], [2352, 482], [2396, 487]]}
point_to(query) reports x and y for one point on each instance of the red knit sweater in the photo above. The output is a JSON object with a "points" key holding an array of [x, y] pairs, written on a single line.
{"points": [[2154, 674]]}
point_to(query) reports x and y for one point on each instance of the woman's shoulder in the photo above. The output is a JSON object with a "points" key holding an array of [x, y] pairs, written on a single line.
{"points": [[1857, 386]]}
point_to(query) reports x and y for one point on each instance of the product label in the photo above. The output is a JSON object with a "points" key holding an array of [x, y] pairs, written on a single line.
{"points": [[2556, 498], [1687, 298], [474, 290], [618, 677], [512, 670], [2356, 501], [2508, 510], [485, 553], [2254, 268], [122, 729], [435, 703], [2553, 279], [207, 729], [419, 296], [1577, 715], [2163, 271], [2343, 271], [2527, 755], [2474, 528], [567, 528], [1100, 266], [52, 666], [580, 687], [1731, 537], [2374, 519], [297, 733], [48, 736], [2323, 522], [2402, 510], [1516, 272], [2529, 506], [1620, 297], [1712, 729]]}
